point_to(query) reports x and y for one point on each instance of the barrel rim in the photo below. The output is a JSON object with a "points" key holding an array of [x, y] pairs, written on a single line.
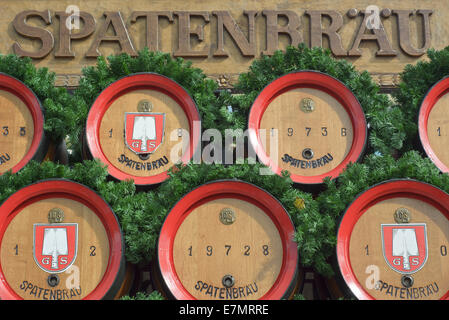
{"points": [[114, 272], [349, 101], [18, 88], [290, 264], [433, 95], [159, 83], [349, 218]]}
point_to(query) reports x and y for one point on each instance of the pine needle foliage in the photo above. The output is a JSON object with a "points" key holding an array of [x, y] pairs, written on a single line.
{"points": [[416, 80], [90, 173], [154, 295], [61, 111]]}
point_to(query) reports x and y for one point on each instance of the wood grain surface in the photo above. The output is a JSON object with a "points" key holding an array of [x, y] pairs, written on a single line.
{"points": [[325, 130], [205, 250]]}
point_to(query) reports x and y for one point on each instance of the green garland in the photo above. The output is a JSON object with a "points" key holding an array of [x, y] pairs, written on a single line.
{"points": [[96, 78], [60, 110], [155, 295], [90, 173], [386, 121], [416, 80]]}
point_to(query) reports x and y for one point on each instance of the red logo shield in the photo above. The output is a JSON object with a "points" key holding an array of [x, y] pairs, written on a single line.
{"points": [[144, 132], [405, 246], [55, 246]]}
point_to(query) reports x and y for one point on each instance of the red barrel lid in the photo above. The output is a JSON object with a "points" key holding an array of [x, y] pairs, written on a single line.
{"points": [[228, 240], [22, 128], [392, 242], [59, 240], [131, 123], [432, 124], [320, 124]]}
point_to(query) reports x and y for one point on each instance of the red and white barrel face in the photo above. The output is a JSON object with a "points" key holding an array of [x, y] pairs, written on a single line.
{"points": [[433, 125], [141, 125], [228, 240], [21, 125], [392, 242], [59, 240], [309, 124]]}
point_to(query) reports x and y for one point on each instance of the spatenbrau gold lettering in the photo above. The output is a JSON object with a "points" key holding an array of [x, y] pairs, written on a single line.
{"points": [[96, 30]]}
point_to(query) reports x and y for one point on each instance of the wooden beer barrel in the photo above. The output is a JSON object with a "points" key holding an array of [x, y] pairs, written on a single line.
{"points": [[228, 240], [59, 240], [432, 124], [22, 136], [392, 242], [137, 126], [308, 123]]}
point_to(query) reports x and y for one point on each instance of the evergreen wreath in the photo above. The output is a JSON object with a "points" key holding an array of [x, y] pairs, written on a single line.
{"points": [[90, 173], [385, 120], [60, 110]]}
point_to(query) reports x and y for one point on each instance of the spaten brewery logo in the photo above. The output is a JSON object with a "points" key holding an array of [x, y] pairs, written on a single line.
{"points": [[144, 131], [405, 246], [55, 246]]}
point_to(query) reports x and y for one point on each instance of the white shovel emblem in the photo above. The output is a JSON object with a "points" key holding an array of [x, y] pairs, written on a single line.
{"points": [[144, 129], [55, 244], [405, 245]]}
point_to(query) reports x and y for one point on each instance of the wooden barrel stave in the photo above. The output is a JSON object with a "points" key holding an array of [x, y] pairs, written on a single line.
{"points": [[126, 287]]}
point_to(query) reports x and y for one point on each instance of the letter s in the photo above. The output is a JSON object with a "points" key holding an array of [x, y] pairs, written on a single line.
{"points": [[45, 36], [23, 285], [198, 286]]}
